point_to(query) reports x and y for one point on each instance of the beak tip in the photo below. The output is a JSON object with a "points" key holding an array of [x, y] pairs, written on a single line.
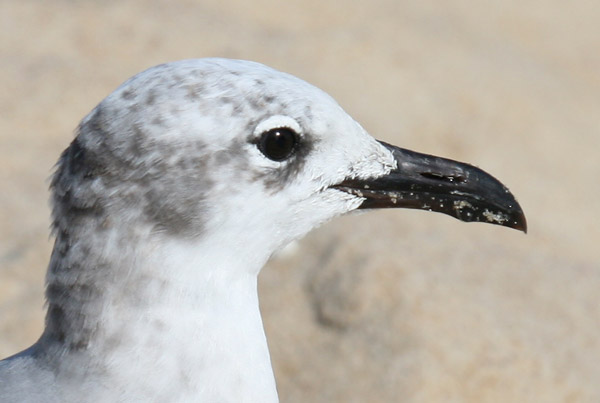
{"points": [[509, 215], [521, 222]]}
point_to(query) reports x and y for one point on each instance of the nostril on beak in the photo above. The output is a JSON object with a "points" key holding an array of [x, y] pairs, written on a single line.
{"points": [[454, 178]]}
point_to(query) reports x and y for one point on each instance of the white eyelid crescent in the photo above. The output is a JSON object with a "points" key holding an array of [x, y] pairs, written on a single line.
{"points": [[276, 121]]}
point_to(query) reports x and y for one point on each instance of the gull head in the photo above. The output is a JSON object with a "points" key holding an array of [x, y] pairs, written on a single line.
{"points": [[231, 150], [250, 157]]}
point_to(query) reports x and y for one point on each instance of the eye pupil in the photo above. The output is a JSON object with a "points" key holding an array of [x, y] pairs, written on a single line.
{"points": [[278, 144]]}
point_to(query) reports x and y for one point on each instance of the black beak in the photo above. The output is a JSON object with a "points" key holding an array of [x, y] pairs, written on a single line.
{"points": [[431, 183]]}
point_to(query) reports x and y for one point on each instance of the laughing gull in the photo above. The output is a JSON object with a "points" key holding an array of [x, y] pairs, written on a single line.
{"points": [[167, 204]]}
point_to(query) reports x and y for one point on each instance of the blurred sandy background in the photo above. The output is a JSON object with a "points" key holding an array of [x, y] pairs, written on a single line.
{"points": [[394, 306]]}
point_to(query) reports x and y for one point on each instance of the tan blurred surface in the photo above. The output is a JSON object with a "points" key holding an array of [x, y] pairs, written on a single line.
{"points": [[387, 306]]}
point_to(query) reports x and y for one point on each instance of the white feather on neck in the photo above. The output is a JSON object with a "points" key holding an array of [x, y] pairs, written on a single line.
{"points": [[181, 322]]}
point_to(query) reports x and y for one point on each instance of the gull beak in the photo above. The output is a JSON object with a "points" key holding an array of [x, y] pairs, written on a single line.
{"points": [[426, 182]]}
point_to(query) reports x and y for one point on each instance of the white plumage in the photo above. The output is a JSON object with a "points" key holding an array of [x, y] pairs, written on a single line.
{"points": [[175, 192]]}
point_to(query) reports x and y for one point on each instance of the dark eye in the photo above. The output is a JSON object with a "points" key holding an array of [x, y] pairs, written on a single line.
{"points": [[278, 144]]}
